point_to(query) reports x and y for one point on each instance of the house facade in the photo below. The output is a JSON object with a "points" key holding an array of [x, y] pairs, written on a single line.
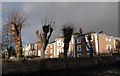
{"points": [[30, 49], [59, 47], [77, 46], [80, 46], [101, 43], [49, 52]]}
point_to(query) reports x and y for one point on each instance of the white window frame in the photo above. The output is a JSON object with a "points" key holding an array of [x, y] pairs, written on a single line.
{"points": [[106, 39], [78, 48], [92, 37], [50, 45], [35, 46], [87, 49], [107, 46], [51, 56], [78, 40], [109, 39], [110, 46], [51, 51], [79, 54], [58, 43], [46, 51]]}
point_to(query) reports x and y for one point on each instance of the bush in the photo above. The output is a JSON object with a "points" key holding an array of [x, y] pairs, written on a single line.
{"points": [[61, 55], [31, 57]]}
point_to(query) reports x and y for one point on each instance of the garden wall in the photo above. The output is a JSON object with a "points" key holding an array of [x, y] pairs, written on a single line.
{"points": [[13, 67]]}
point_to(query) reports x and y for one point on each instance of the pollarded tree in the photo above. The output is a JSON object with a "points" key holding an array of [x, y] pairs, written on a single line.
{"points": [[88, 37], [16, 23], [67, 33], [7, 42], [89, 45], [44, 36], [118, 46]]}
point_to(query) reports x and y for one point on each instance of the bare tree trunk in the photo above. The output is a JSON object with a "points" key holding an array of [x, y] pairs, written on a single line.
{"points": [[67, 31], [42, 54], [66, 47], [43, 51], [45, 36], [17, 41], [18, 47], [84, 52]]}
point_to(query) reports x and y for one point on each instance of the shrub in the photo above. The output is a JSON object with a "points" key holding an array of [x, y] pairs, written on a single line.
{"points": [[61, 55]]}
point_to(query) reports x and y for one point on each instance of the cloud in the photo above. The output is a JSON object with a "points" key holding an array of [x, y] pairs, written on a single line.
{"points": [[91, 16]]}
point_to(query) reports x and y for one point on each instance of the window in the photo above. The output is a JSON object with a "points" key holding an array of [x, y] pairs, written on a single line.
{"points": [[110, 46], [78, 40], [58, 51], [78, 55], [35, 46], [46, 51], [58, 43], [39, 52], [51, 56], [92, 37], [50, 45], [87, 49], [106, 39], [78, 47], [106, 46], [86, 39], [50, 51], [109, 39]]}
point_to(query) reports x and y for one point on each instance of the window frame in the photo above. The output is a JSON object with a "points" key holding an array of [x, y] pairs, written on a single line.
{"points": [[79, 46], [78, 40]]}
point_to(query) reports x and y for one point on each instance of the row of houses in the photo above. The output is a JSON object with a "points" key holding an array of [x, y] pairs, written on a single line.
{"points": [[102, 44]]}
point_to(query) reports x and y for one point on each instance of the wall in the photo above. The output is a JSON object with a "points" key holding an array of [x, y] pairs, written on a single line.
{"points": [[54, 64]]}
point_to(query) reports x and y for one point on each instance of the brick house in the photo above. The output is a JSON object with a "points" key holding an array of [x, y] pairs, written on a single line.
{"points": [[117, 42], [49, 52], [102, 43], [38, 48], [80, 46]]}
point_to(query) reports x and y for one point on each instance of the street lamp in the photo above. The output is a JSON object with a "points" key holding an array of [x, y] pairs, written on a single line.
{"points": [[98, 42]]}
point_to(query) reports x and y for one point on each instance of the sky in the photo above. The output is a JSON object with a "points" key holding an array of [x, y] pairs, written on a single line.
{"points": [[90, 16], [0, 14]]}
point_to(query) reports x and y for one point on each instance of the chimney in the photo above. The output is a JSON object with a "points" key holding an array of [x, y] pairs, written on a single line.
{"points": [[80, 31]]}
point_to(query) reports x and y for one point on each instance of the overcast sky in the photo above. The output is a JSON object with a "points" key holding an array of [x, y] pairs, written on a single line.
{"points": [[91, 16]]}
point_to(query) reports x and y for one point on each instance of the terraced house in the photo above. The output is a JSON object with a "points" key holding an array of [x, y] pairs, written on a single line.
{"points": [[30, 49], [102, 44]]}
